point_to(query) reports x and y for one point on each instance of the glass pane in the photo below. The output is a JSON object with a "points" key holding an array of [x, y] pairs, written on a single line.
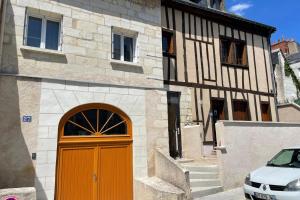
{"points": [[52, 35], [91, 115], [116, 47], [283, 158], [34, 32], [73, 130], [79, 126], [128, 49], [114, 120], [240, 47], [165, 43], [225, 45]]}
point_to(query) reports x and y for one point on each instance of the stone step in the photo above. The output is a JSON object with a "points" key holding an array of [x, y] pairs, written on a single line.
{"points": [[205, 182], [202, 168], [198, 192], [184, 160], [203, 175]]}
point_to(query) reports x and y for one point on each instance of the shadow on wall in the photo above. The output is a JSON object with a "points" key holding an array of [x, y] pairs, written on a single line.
{"points": [[16, 141]]}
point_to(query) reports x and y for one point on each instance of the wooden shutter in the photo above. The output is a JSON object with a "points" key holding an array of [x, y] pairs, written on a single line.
{"points": [[244, 57], [266, 112], [240, 111], [231, 54]]}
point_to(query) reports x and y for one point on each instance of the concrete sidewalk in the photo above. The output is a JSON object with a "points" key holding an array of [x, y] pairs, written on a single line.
{"points": [[236, 194]]}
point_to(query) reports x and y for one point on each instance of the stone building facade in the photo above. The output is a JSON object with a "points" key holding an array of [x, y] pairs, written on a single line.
{"points": [[63, 60], [285, 86], [221, 63], [38, 85]]}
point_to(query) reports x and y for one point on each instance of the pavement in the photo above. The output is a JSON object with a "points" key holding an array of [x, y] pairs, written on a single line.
{"points": [[235, 194]]}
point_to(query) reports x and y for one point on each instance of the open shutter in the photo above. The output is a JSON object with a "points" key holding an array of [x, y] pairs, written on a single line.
{"points": [[231, 54], [244, 61]]}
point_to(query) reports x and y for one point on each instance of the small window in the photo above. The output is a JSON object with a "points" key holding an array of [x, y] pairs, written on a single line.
{"points": [[216, 4], [123, 47], [226, 51], [266, 112], [233, 52], [168, 42], [241, 110], [42, 32]]}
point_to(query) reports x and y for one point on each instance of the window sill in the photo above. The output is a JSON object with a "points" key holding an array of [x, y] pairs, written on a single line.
{"points": [[235, 65], [40, 50], [124, 63]]}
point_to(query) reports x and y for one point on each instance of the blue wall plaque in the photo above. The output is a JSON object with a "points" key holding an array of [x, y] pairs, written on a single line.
{"points": [[27, 118]]}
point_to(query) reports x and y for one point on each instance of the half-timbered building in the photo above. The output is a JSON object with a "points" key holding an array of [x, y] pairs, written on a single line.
{"points": [[216, 67]]}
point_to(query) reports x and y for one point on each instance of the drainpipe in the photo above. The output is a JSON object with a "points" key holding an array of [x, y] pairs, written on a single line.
{"points": [[273, 78], [2, 23]]}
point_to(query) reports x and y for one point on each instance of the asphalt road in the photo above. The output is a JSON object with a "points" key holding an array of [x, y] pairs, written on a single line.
{"points": [[236, 194]]}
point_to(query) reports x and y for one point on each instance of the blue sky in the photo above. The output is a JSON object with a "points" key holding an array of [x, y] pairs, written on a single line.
{"points": [[284, 15]]}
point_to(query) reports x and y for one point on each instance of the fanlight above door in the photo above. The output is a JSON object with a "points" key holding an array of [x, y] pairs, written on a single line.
{"points": [[95, 122]]}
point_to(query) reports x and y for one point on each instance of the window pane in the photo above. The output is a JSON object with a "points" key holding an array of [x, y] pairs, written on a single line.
{"points": [[34, 32], [241, 58], [168, 42], [128, 49], [165, 44], [77, 125], [116, 47], [283, 158], [111, 124], [225, 50], [52, 35]]}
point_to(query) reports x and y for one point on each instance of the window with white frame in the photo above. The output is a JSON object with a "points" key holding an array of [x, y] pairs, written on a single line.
{"points": [[123, 47], [43, 32]]}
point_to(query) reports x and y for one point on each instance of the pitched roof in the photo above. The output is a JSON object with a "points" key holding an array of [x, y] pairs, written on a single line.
{"points": [[294, 58], [222, 17]]}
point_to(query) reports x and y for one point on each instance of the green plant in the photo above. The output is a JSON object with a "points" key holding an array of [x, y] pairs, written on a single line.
{"points": [[297, 102], [290, 72]]}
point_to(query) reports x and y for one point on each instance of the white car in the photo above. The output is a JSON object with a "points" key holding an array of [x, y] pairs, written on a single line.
{"points": [[278, 180]]}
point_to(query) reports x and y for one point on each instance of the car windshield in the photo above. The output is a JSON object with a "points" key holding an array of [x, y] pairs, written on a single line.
{"points": [[286, 158]]}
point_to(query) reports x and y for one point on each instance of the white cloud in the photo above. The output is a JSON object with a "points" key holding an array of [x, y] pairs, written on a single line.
{"points": [[240, 8]]}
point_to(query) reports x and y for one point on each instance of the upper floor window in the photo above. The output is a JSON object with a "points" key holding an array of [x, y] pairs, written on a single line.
{"points": [[233, 52], [216, 4], [43, 32], [123, 47], [168, 43]]}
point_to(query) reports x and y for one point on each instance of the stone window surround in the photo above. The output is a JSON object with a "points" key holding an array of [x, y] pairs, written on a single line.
{"points": [[127, 33], [44, 15]]}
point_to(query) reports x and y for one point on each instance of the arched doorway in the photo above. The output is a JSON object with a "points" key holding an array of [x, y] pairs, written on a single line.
{"points": [[94, 155]]}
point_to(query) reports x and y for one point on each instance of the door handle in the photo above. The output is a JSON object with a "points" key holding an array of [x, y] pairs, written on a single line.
{"points": [[94, 177]]}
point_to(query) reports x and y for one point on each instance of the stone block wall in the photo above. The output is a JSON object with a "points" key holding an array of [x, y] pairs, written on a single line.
{"points": [[250, 145], [18, 193], [58, 97], [86, 41]]}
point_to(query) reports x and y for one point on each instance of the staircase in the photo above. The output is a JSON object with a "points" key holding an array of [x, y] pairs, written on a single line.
{"points": [[204, 177]]}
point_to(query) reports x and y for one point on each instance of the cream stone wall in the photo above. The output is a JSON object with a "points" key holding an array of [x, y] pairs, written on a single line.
{"points": [[86, 41], [82, 72], [289, 113], [250, 145], [58, 97], [18, 139]]}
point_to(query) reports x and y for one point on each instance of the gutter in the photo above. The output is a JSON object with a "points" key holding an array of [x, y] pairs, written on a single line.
{"points": [[222, 17]]}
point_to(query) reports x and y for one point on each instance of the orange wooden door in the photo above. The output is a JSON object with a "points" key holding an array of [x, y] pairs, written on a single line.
{"points": [[94, 154], [77, 173], [115, 172]]}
